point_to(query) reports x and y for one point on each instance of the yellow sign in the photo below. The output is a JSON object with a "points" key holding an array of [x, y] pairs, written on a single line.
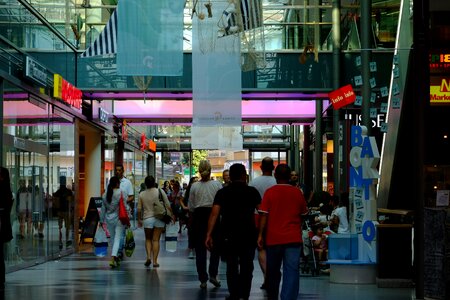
{"points": [[440, 94]]}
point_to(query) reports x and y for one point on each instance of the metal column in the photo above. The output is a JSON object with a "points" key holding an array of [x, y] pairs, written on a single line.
{"points": [[337, 166], [366, 34]]}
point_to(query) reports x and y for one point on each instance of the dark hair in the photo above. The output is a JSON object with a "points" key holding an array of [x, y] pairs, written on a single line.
{"points": [[316, 227], [283, 172], [267, 164], [113, 183], [237, 171], [149, 181]]}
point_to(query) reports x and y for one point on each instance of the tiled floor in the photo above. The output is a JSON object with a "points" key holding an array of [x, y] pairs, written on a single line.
{"points": [[84, 276]]}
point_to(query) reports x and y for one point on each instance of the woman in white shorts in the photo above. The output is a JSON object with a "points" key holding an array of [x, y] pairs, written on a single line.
{"points": [[146, 217]]}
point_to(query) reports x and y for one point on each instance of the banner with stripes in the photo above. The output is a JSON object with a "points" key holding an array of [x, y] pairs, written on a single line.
{"points": [[251, 11], [106, 43]]}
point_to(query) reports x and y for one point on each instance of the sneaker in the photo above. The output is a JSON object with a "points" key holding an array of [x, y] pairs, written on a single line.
{"points": [[203, 285], [191, 254], [113, 263], [214, 281]]}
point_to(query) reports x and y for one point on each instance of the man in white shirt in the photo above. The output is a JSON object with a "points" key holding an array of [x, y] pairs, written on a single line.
{"points": [[262, 183], [127, 189], [125, 186]]}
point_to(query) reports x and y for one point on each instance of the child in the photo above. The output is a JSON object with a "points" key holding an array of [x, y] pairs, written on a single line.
{"points": [[319, 241]]}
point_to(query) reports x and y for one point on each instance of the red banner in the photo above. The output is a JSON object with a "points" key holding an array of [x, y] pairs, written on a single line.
{"points": [[342, 96]]}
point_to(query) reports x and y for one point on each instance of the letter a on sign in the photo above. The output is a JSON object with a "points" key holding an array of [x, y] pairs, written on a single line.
{"points": [[342, 96]]}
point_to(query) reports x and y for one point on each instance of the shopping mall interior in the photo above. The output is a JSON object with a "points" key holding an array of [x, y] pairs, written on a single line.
{"points": [[336, 89]]}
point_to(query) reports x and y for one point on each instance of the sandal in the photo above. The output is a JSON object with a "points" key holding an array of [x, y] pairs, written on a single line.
{"points": [[148, 262], [155, 265]]}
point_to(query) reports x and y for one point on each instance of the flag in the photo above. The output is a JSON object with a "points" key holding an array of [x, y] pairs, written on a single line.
{"points": [[250, 17], [106, 43], [251, 14], [150, 38]]}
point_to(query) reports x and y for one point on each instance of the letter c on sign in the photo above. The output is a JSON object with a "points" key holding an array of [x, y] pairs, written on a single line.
{"points": [[368, 231]]}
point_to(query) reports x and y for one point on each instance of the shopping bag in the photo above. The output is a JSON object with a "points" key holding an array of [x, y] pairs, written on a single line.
{"points": [[100, 242], [129, 243], [171, 238], [123, 213]]}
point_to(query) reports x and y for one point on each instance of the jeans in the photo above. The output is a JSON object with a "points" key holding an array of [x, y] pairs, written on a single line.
{"points": [[117, 233], [239, 256], [200, 226], [289, 256]]}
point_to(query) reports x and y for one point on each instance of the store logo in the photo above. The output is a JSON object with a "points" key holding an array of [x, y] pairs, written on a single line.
{"points": [[66, 92]]}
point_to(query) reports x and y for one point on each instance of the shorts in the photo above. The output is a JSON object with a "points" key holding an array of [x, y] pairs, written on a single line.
{"points": [[153, 222]]}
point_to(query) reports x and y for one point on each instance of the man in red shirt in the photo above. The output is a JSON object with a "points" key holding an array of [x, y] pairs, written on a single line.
{"points": [[280, 231]]}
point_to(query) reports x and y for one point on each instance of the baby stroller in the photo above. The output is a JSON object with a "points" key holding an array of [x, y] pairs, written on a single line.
{"points": [[308, 261]]}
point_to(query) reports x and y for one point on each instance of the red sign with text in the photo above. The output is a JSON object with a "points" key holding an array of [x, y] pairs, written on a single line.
{"points": [[342, 96]]}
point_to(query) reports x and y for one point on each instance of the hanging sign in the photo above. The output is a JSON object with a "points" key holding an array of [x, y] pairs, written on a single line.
{"points": [[342, 96]]}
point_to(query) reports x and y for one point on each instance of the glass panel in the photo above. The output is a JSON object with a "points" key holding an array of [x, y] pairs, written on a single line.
{"points": [[62, 176], [26, 156]]}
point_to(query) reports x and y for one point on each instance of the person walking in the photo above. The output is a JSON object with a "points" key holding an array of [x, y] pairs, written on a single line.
{"points": [[262, 183], [128, 193], [6, 204], [235, 204], [201, 199], [110, 215], [280, 231], [185, 204], [153, 227]]}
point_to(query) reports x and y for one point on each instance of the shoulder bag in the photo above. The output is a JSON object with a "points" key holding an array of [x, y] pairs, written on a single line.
{"points": [[160, 209], [123, 213]]}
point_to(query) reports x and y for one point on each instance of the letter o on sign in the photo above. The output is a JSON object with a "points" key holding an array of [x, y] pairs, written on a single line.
{"points": [[368, 231]]}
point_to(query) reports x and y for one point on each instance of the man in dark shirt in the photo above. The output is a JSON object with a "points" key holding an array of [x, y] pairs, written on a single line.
{"points": [[64, 198], [236, 204]]}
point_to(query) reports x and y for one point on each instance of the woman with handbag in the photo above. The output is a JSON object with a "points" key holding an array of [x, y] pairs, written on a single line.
{"points": [[110, 215], [152, 206]]}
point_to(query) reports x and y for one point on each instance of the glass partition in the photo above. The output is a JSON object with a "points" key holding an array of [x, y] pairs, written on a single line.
{"points": [[26, 156]]}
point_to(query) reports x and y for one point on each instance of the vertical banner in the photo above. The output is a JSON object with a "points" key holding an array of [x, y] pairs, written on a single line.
{"points": [[216, 81], [150, 38]]}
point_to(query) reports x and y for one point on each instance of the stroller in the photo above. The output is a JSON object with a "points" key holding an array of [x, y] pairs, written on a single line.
{"points": [[308, 260]]}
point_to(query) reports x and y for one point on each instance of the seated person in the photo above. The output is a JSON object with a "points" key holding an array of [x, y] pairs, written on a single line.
{"points": [[320, 243], [339, 220], [323, 217]]}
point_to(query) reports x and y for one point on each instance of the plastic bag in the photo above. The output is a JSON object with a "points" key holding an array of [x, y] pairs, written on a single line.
{"points": [[129, 243], [100, 242], [172, 236]]}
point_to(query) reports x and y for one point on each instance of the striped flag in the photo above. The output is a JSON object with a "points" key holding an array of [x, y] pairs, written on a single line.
{"points": [[251, 14], [106, 43], [251, 17]]}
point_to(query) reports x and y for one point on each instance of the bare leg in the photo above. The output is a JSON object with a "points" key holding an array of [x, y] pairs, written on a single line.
{"points": [[148, 242], [155, 241], [262, 263]]}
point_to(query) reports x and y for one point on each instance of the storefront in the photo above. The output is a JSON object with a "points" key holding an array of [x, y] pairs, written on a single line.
{"points": [[57, 160]]}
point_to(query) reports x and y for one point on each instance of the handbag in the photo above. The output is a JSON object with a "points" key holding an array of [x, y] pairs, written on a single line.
{"points": [[129, 243], [160, 210], [123, 213]]}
